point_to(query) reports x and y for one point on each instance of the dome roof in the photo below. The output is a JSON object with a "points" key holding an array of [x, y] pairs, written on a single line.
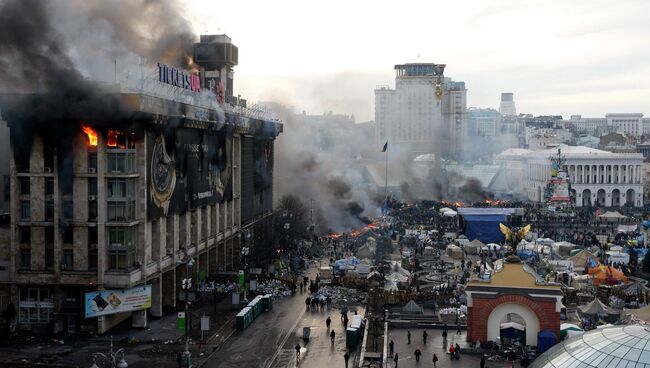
{"points": [[618, 346]]}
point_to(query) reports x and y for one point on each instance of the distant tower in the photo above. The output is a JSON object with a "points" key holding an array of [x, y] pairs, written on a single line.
{"points": [[507, 106]]}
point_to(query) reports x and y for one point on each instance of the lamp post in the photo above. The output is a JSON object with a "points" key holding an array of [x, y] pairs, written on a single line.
{"points": [[245, 251], [186, 285], [111, 358]]}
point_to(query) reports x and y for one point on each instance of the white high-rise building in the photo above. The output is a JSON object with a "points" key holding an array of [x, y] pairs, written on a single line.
{"points": [[507, 105], [425, 113]]}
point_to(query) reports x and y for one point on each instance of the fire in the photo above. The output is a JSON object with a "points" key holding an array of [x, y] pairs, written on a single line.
{"points": [[458, 204], [92, 135], [112, 138]]}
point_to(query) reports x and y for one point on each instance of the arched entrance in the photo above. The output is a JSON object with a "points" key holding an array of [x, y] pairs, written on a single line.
{"points": [[586, 198], [616, 197], [502, 310], [600, 197], [574, 198], [629, 197], [513, 328]]}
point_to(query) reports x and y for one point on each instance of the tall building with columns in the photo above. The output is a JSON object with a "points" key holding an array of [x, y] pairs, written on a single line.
{"points": [[598, 178]]}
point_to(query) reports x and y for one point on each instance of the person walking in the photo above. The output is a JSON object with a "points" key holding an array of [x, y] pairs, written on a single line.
{"points": [[332, 336], [391, 347], [457, 351], [346, 357], [408, 336], [395, 359], [435, 360], [458, 331], [424, 336], [483, 361], [417, 355], [298, 352], [451, 352], [328, 322], [179, 359]]}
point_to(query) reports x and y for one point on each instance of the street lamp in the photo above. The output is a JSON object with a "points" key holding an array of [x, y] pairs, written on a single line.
{"points": [[186, 285], [111, 358], [245, 251]]}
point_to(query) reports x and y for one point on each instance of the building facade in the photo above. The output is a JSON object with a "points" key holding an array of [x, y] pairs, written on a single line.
{"points": [[598, 178], [124, 195], [507, 105], [632, 124], [425, 113], [483, 122]]}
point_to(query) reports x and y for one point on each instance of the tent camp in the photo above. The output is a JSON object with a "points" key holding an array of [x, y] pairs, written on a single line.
{"points": [[512, 330], [596, 310], [583, 258], [569, 330], [412, 308], [474, 247], [563, 248], [637, 315], [607, 275]]}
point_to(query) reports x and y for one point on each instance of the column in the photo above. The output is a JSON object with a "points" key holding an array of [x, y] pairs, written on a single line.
{"points": [[598, 173], [156, 296]]}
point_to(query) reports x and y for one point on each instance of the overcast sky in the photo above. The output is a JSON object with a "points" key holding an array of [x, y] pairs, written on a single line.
{"points": [[558, 57]]}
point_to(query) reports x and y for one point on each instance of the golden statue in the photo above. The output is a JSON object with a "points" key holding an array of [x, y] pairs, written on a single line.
{"points": [[513, 237]]}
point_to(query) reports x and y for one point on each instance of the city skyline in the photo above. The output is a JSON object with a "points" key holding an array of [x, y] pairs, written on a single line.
{"points": [[582, 57]]}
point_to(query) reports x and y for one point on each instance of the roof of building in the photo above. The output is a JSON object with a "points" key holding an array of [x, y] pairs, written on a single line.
{"points": [[518, 152], [617, 346], [515, 275]]}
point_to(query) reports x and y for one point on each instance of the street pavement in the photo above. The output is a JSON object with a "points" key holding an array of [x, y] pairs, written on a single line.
{"points": [[435, 344], [270, 341]]}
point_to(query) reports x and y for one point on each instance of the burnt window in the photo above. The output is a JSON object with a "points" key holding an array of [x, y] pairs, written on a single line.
{"points": [[92, 162], [68, 209], [24, 186], [68, 235], [25, 259], [48, 159], [92, 248], [49, 236], [68, 260], [25, 234]]}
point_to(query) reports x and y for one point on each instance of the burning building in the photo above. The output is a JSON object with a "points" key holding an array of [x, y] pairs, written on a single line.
{"points": [[114, 190]]}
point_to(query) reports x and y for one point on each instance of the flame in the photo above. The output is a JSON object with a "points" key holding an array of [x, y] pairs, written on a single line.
{"points": [[112, 138], [458, 204], [92, 135]]}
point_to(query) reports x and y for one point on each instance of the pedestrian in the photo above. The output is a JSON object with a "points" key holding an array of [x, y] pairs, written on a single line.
{"points": [[458, 331], [328, 321], [179, 359], [395, 359], [308, 302], [391, 347], [483, 361], [435, 360], [408, 336], [424, 336], [332, 335], [451, 352], [417, 355], [346, 357], [297, 352], [457, 351], [444, 329], [302, 286]]}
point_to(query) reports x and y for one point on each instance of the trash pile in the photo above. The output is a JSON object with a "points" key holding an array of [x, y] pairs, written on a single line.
{"points": [[342, 296], [276, 288], [216, 287], [453, 315]]}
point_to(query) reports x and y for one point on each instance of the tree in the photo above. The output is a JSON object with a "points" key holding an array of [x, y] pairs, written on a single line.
{"points": [[645, 265]]}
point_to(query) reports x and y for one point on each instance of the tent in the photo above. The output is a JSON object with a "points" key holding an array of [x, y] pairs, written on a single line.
{"points": [[512, 330], [474, 247], [595, 309], [582, 258], [444, 209], [570, 330], [563, 248], [607, 275], [545, 340], [612, 216], [397, 278], [412, 308], [450, 213], [626, 228]]}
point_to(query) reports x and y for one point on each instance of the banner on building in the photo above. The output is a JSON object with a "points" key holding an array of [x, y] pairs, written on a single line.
{"points": [[101, 303]]}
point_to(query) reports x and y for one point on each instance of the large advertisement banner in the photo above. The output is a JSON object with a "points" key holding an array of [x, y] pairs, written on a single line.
{"points": [[101, 303]]}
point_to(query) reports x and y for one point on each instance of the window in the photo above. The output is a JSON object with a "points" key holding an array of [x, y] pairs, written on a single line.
{"points": [[68, 261], [68, 209], [25, 235], [25, 211], [92, 248], [49, 186], [68, 235], [92, 186], [49, 210], [25, 259], [120, 160], [121, 247], [35, 305], [92, 162], [24, 186], [49, 257]]}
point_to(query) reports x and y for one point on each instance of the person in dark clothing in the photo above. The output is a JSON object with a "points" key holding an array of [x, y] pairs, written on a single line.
{"points": [[435, 360], [179, 359], [408, 336], [297, 352], [424, 336], [328, 321], [483, 361], [391, 347], [457, 351], [395, 359], [332, 336], [308, 302], [417, 355], [346, 357]]}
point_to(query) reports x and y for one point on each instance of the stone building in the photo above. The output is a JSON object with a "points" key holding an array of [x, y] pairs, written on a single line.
{"points": [[125, 192]]}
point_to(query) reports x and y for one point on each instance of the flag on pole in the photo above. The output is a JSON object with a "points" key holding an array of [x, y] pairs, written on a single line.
{"points": [[385, 147]]}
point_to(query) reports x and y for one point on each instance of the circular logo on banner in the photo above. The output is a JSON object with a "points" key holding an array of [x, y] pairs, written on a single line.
{"points": [[163, 175]]}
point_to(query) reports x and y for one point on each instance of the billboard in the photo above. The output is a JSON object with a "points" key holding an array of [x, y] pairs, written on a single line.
{"points": [[101, 303]]}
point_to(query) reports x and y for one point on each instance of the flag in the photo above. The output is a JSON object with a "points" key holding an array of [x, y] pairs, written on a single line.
{"points": [[385, 207], [385, 147]]}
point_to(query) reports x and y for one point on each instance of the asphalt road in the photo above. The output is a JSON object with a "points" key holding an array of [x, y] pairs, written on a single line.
{"points": [[270, 341]]}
